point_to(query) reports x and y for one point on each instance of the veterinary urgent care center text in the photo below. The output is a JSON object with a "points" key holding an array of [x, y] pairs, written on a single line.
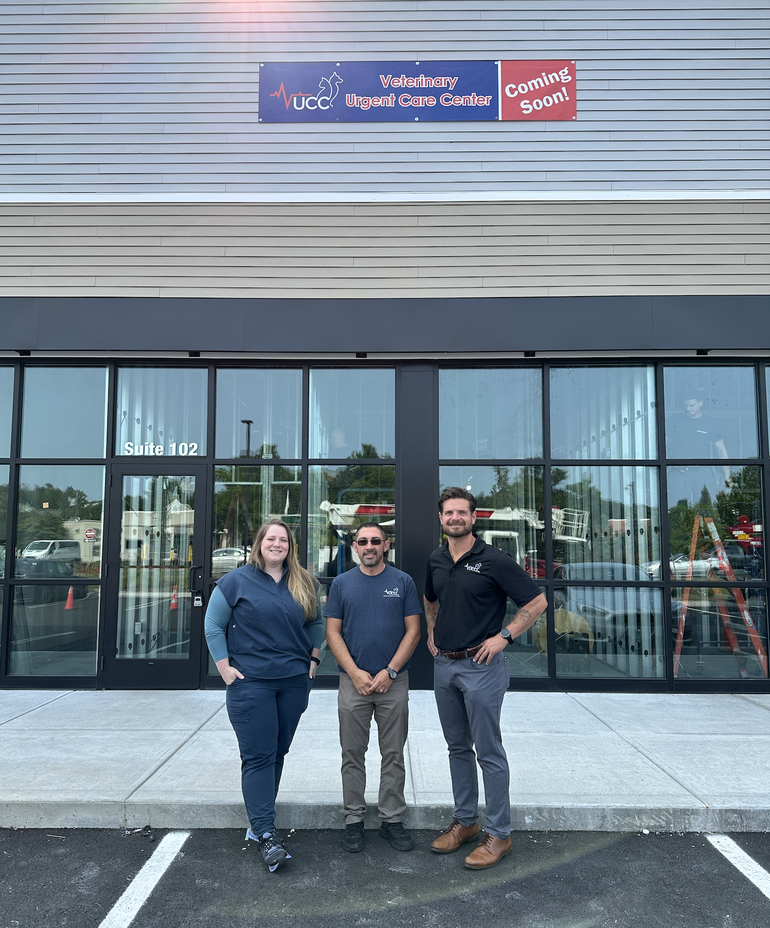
{"points": [[359, 91]]}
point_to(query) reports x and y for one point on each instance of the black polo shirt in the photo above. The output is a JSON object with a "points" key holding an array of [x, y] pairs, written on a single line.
{"points": [[472, 593]]}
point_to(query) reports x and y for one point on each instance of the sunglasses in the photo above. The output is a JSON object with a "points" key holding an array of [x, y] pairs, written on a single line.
{"points": [[363, 542]]}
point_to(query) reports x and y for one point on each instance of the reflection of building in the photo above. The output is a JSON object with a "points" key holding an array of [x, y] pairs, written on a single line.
{"points": [[360, 294], [154, 536], [88, 534]]}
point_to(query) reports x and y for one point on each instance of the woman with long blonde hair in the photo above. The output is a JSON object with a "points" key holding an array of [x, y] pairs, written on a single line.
{"points": [[264, 630]]}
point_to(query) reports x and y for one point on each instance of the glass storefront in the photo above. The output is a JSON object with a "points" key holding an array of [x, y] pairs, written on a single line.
{"points": [[632, 493]]}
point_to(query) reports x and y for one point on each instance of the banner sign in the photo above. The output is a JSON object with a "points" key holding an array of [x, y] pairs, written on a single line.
{"points": [[411, 91]]}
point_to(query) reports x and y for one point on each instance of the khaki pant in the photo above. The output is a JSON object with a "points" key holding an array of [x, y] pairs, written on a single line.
{"points": [[391, 713]]}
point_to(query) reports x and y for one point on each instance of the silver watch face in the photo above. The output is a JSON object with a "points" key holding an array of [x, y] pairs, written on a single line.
{"points": [[392, 674], [506, 633]]}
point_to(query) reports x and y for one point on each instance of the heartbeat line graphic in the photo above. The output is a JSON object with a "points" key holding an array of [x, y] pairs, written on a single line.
{"points": [[281, 92]]}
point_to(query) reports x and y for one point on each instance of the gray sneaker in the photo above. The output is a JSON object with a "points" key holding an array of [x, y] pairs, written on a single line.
{"points": [[273, 852], [397, 835], [353, 840]]}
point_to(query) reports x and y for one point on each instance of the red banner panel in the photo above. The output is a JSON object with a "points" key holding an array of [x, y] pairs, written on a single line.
{"points": [[538, 90]]}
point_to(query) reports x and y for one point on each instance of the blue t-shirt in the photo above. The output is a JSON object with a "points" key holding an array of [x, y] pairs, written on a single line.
{"points": [[372, 611], [267, 635]]}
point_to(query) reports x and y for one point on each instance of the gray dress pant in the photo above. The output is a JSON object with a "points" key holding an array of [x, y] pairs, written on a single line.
{"points": [[391, 713], [469, 698]]}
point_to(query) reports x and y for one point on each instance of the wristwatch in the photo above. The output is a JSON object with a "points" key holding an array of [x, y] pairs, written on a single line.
{"points": [[506, 634], [392, 673]]}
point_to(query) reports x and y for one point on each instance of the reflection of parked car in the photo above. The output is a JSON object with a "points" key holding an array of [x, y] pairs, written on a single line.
{"points": [[61, 549], [28, 568], [744, 566], [226, 559], [678, 567], [709, 566], [598, 570]]}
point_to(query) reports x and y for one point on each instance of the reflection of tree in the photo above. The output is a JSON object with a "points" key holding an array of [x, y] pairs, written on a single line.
{"points": [[558, 492], [376, 484], [353, 484], [681, 519], [3, 510], [619, 529], [368, 451], [245, 497], [744, 499], [264, 452], [36, 522], [524, 491], [172, 488], [69, 502]]}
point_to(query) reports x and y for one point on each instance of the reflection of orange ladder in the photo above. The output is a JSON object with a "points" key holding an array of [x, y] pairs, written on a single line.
{"points": [[724, 564]]}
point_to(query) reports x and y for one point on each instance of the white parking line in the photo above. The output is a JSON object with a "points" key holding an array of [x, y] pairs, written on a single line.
{"points": [[125, 909], [741, 861]]}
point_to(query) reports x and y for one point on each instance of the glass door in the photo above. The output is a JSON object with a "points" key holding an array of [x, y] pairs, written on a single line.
{"points": [[153, 634]]}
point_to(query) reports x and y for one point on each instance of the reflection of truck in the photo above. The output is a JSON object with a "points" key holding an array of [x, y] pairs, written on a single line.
{"points": [[504, 541], [343, 518]]}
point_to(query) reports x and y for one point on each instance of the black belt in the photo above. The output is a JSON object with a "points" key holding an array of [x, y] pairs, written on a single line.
{"points": [[459, 655]]}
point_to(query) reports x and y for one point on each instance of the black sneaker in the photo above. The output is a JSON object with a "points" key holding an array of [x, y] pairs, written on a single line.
{"points": [[272, 851], [397, 835], [354, 837]]}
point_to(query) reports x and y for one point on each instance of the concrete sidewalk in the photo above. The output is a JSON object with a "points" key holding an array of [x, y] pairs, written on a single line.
{"points": [[603, 762]]}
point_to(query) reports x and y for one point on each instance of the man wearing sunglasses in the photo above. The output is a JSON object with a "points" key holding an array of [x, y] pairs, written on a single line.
{"points": [[372, 628]]}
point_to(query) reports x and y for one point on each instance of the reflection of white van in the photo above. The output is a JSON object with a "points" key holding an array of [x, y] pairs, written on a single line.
{"points": [[59, 549]]}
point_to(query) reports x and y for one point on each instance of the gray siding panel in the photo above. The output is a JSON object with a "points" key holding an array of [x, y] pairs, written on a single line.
{"points": [[349, 251], [143, 99]]}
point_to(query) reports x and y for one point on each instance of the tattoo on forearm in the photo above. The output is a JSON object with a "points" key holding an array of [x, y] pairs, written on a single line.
{"points": [[523, 617]]}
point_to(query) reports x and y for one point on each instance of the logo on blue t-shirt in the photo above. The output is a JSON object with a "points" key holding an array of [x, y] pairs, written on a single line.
{"points": [[476, 568], [394, 592]]}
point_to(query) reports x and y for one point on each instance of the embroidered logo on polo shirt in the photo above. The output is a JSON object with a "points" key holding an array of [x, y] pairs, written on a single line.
{"points": [[476, 568], [394, 592]]}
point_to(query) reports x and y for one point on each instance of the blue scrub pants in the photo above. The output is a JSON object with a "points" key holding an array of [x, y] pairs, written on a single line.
{"points": [[265, 715]]}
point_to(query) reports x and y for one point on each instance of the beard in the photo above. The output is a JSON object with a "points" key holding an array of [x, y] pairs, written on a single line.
{"points": [[458, 531]]}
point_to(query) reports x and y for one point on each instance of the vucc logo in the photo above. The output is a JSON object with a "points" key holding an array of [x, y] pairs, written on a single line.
{"points": [[329, 87]]}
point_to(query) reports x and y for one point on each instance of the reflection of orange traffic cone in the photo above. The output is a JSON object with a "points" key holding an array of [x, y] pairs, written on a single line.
{"points": [[174, 605], [70, 604]]}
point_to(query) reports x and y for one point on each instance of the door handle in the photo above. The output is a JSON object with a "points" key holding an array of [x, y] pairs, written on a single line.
{"points": [[192, 582], [195, 590]]}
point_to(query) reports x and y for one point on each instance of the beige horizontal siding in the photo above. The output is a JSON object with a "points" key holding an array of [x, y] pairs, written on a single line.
{"points": [[348, 251]]}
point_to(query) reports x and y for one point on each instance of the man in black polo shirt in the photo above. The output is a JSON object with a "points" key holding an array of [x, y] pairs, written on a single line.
{"points": [[471, 581]]}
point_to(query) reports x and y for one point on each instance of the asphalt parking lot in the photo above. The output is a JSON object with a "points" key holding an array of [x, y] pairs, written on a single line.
{"points": [[552, 880]]}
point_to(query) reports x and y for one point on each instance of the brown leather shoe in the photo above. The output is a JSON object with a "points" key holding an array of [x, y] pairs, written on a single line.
{"points": [[455, 836], [490, 851]]}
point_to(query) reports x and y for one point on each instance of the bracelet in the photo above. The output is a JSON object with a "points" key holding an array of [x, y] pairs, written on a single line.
{"points": [[316, 659]]}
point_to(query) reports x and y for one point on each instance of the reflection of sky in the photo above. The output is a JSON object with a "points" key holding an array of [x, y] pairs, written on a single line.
{"points": [[720, 388], [622, 485], [350, 408], [65, 412], [490, 413], [162, 405], [88, 478], [478, 480], [603, 413], [271, 399], [6, 405]]}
